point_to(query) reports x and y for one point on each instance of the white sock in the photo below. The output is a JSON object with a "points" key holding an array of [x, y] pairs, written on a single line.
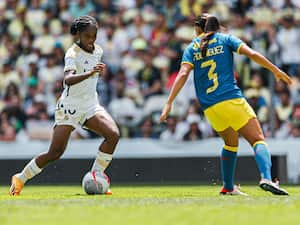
{"points": [[29, 171], [101, 162]]}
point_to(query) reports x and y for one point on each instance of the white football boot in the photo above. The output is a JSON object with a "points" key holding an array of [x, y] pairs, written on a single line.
{"points": [[235, 191], [272, 187]]}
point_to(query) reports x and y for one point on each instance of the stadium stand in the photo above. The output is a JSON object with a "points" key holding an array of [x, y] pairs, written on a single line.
{"points": [[143, 42]]}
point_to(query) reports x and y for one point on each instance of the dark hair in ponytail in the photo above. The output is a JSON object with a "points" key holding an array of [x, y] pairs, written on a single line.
{"points": [[200, 21], [81, 23], [212, 25]]}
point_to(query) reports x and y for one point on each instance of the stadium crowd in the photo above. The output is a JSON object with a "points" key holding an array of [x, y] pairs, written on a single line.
{"points": [[143, 42]]}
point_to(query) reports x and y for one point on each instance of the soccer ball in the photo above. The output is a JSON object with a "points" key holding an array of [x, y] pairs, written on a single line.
{"points": [[95, 183]]}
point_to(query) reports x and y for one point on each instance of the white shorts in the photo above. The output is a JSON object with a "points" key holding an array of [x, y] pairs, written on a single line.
{"points": [[75, 114]]}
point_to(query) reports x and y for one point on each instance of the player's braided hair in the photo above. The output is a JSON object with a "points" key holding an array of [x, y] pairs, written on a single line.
{"points": [[212, 25], [81, 23]]}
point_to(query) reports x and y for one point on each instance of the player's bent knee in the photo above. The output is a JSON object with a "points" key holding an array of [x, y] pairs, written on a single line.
{"points": [[256, 139], [115, 134]]}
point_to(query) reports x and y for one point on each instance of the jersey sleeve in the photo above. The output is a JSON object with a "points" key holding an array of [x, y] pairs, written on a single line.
{"points": [[70, 63], [234, 43], [187, 56]]}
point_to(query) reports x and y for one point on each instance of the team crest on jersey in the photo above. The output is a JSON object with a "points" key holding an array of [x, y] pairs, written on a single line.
{"points": [[196, 46]]}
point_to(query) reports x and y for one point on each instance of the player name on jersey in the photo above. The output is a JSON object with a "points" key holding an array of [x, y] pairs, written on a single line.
{"points": [[210, 52]]}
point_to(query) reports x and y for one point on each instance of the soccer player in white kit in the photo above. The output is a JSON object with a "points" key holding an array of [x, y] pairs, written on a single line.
{"points": [[78, 104]]}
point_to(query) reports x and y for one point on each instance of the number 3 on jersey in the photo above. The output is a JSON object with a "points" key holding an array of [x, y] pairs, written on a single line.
{"points": [[211, 75]]}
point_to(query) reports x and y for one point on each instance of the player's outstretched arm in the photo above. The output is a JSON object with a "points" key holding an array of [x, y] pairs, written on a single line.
{"points": [[264, 62], [72, 78], [180, 80]]}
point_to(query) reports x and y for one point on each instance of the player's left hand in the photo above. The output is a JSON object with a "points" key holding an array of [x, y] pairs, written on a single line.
{"points": [[280, 75], [165, 112], [100, 67]]}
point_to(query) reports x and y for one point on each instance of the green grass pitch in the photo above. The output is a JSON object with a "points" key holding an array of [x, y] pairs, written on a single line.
{"points": [[148, 205]]}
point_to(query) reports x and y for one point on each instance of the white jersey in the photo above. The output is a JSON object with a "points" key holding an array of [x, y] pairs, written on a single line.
{"points": [[81, 61], [79, 102]]}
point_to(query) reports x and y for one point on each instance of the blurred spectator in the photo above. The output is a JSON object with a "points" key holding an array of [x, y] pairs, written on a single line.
{"points": [[295, 132], [131, 88], [46, 41], [295, 87], [81, 8], [124, 110], [38, 107], [185, 96], [262, 14], [139, 29], [171, 48], [171, 10], [258, 103], [288, 7], [65, 39], [16, 26], [146, 129], [217, 8], [110, 37], [149, 78], [288, 4], [190, 7], [104, 88], [194, 133], [26, 40], [282, 128], [50, 73], [288, 39], [104, 7], [3, 21], [127, 4], [258, 83], [239, 27], [279, 87], [55, 26], [32, 91], [285, 107], [58, 53], [159, 29], [193, 113], [242, 6], [132, 62], [11, 91], [8, 75], [295, 123], [62, 10], [35, 17], [121, 102], [170, 134], [5, 42], [55, 93], [7, 131], [39, 127], [15, 113]]}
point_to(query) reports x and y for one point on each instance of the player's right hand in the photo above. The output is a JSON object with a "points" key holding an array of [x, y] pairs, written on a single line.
{"points": [[165, 112], [280, 75], [99, 68]]}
